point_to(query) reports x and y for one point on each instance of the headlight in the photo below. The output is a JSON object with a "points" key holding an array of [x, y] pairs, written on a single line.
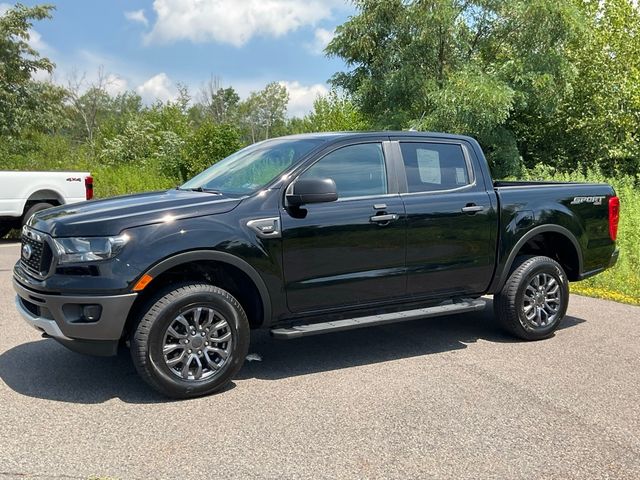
{"points": [[89, 249]]}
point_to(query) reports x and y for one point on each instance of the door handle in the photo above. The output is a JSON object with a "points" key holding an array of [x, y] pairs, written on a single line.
{"points": [[472, 208], [389, 217]]}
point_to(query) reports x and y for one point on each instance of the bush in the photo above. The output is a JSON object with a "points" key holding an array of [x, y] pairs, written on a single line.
{"points": [[209, 144], [44, 152], [54, 152], [156, 137], [125, 179]]}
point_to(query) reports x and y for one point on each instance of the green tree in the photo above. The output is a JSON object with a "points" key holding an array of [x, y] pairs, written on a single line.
{"points": [[118, 110], [218, 104], [484, 67], [18, 62], [43, 109], [88, 105], [210, 143], [156, 136], [333, 112], [262, 115], [599, 123]]}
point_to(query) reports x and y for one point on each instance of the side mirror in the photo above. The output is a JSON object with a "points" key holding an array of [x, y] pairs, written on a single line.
{"points": [[311, 190]]}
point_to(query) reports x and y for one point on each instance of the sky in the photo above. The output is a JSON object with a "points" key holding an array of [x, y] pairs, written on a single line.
{"points": [[150, 45]]}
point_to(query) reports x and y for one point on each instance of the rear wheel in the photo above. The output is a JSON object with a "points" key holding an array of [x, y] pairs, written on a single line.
{"points": [[534, 299], [191, 341]]}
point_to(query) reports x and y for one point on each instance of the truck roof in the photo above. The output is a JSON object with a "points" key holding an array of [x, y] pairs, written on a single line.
{"points": [[401, 133]]}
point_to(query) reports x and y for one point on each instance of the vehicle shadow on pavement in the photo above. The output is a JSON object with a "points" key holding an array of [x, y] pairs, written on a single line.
{"points": [[334, 351], [45, 369]]}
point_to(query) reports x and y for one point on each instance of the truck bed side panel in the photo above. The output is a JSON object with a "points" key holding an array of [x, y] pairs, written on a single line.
{"points": [[577, 211]]}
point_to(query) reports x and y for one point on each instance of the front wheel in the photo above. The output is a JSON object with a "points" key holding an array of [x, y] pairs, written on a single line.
{"points": [[191, 341], [534, 299]]}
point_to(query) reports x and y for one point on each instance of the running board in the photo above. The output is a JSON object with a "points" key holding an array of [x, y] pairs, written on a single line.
{"points": [[466, 305]]}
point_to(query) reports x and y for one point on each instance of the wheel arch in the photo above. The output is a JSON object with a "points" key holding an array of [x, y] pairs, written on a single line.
{"points": [[44, 195], [203, 259], [565, 249]]}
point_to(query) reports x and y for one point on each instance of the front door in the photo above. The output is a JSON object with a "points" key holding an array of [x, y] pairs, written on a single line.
{"points": [[338, 254]]}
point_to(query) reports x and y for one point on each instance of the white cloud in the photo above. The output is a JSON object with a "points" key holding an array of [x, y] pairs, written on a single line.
{"points": [[137, 16], [36, 42], [301, 97], [158, 87], [116, 85], [44, 49], [321, 38], [232, 21]]}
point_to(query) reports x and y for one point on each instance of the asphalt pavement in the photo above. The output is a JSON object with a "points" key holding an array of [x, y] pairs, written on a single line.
{"points": [[449, 398]]}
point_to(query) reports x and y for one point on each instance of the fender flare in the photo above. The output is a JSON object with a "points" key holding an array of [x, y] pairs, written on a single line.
{"points": [[222, 257], [43, 188], [528, 236]]}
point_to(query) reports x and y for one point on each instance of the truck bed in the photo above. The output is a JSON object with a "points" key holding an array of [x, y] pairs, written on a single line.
{"points": [[534, 183], [578, 208]]}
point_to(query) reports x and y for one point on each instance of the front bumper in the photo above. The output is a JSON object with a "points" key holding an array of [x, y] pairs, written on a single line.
{"points": [[61, 317]]}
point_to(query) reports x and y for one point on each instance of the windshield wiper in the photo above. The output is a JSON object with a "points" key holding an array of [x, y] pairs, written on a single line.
{"points": [[200, 189]]}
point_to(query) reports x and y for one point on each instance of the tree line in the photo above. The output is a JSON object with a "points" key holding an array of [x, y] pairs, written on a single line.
{"points": [[538, 82]]}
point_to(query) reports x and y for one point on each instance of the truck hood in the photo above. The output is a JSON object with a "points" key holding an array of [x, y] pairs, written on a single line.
{"points": [[112, 216]]}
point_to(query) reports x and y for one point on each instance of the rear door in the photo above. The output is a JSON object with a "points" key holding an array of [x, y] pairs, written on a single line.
{"points": [[338, 254], [451, 223]]}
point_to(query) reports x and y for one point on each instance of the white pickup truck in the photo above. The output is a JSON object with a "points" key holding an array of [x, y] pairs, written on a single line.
{"points": [[24, 193]]}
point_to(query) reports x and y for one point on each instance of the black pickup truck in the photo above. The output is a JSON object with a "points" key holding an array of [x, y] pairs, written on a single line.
{"points": [[304, 235]]}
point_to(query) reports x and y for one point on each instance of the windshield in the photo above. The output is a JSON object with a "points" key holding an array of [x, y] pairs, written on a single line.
{"points": [[251, 168]]}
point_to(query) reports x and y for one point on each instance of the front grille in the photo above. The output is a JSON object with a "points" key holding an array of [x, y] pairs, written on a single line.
{"points": [[36, 254]]}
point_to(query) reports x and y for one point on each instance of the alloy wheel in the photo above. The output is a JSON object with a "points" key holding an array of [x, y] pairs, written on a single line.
{"points": [[197, 343]]}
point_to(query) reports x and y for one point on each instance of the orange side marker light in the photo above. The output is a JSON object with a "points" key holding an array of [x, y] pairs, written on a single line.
{"points": [[142, 283]]}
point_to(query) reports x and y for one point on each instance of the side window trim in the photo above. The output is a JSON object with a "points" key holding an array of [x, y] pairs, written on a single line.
{"points": [[467, 160], [390, 170]]}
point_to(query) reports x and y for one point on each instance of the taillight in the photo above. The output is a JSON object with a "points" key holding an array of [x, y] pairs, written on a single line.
{"points": [[614, 217], [88, 187]]}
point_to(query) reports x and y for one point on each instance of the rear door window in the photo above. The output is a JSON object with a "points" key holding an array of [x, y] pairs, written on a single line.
{"points": [[434, 166]]}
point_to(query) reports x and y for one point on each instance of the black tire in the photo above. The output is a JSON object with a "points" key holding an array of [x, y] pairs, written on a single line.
{"points": [[36, 207], [149, 336], [510, 304]]}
